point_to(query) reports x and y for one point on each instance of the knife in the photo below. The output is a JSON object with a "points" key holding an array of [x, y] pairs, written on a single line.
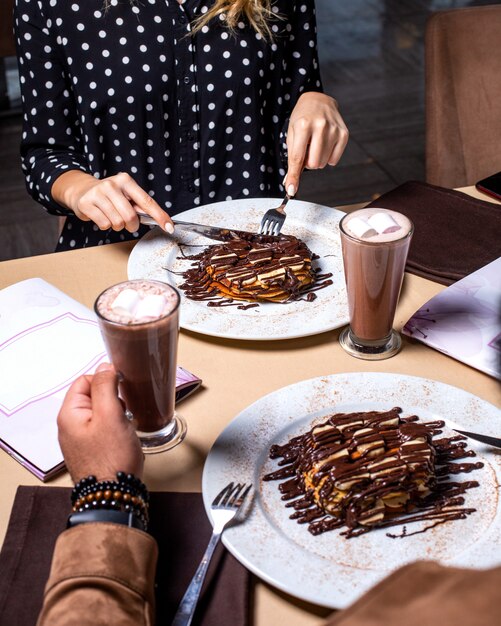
{"points": [[490, 441], [211, 232]]}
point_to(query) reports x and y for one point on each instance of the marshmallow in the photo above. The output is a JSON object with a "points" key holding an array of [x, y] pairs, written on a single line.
{"points": [[360, 228], [383, 223], [151, 306], [126, 302]]}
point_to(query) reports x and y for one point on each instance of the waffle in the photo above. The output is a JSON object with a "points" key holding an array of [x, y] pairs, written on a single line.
{"points": [[372, 469], [254, 268]]}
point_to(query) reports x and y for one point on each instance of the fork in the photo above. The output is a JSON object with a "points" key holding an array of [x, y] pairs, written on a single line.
{"points": [[274, 219], [224, 508]]}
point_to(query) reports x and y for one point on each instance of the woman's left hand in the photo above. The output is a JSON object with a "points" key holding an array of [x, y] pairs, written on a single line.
{"points": [[316, 136]]}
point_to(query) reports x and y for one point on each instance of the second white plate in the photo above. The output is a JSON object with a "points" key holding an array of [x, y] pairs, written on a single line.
{"points": [[157, 256], [328, 569]]}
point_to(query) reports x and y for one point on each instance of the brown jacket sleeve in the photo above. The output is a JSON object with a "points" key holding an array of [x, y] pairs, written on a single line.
{"points": [[427, 593], [104, 574], [101, 574]]}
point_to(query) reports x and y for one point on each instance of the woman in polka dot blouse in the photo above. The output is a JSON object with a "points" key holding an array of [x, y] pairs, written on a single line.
{"points": [[162, 105]]}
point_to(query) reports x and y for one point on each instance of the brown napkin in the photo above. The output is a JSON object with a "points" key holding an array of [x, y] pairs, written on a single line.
{"points": [[454, 234], [178, 523]]}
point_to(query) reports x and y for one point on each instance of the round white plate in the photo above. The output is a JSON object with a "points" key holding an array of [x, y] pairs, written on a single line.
{"points": [[157, 253], [328, 569]]}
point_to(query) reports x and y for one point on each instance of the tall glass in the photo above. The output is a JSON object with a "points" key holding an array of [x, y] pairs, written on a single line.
{"points": [[139, 322], [375, 244]]}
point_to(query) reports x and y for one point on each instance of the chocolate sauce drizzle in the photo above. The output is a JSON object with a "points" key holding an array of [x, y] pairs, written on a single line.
{"points": [[253, 268], [371, 470]]}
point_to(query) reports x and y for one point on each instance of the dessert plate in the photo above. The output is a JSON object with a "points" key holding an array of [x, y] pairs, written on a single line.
{"points": [[157, 255], [328, 569]]}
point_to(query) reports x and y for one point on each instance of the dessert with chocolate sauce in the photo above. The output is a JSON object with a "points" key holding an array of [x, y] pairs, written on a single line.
{"points": [[253, 268], [367, 470]]}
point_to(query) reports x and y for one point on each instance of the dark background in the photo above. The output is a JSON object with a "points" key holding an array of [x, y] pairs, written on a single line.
{"points": [[371, 54]]}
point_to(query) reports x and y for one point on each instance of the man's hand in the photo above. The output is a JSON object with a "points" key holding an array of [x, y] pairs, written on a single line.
{"points": [[316, 136], [110, 202], [95, 436]]}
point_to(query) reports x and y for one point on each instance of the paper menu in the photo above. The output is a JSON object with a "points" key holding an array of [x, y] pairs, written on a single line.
{"points": [[47, 339], [464, 320]]}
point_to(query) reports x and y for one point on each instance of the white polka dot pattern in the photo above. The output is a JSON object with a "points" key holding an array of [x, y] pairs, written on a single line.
{"points": [[193, 119]]}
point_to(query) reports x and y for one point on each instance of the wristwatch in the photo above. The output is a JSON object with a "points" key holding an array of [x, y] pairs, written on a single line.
{"points": [[105, 515]]}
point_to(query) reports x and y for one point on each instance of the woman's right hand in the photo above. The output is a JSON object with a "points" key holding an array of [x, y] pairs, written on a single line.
{"points": [[110, 202]]}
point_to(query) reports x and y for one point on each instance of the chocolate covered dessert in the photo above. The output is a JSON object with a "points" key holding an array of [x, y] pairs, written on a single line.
{"points": [[254, 268], [361, 471]]}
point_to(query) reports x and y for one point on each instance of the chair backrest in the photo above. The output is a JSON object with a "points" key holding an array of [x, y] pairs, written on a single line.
{"points": [[463, 95], [7, 48]]}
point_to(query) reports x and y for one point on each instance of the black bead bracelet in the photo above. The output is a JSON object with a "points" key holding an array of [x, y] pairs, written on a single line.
{"points": [[127, 495]]}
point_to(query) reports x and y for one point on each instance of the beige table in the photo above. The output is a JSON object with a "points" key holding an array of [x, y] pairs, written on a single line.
{"points": [[235, 374]]}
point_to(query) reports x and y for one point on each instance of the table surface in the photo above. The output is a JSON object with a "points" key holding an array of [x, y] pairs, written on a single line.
{"points": [[232, 379]]}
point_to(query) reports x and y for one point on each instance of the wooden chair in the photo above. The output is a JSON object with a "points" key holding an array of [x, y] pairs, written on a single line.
{"points": [[463, 95], [7, 47]]}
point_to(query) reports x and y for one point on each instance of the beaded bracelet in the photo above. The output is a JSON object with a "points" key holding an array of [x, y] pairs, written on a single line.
{"points": [[127, 494]]}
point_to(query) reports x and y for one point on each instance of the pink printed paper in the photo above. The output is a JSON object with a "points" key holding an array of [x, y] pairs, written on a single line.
{"points": [[47, 340], [464, 320]]}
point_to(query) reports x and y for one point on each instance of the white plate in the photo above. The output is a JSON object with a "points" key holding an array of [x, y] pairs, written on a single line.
{"points": [[316, 225], [328, 569]]}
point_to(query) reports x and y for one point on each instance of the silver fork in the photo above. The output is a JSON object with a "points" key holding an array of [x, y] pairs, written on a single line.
{"points": [[225, 507], [274, 219]]}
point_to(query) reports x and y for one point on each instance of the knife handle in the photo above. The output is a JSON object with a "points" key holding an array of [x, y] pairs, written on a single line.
{"points": [[146, 219]]}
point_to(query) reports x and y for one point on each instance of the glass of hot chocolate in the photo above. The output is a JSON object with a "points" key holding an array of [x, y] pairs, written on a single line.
{"points": [[139, 322], [375, 244]]}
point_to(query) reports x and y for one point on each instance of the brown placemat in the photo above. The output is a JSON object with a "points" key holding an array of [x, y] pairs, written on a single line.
{"points": [[454, 234], [178, 523]]}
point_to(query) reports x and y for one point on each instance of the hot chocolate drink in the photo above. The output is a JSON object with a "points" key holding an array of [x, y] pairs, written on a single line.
{"points": [[139, 321], [375, 244]]}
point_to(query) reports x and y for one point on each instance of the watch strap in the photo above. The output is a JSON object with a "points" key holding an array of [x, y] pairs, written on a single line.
{"points": [[105, 515]]}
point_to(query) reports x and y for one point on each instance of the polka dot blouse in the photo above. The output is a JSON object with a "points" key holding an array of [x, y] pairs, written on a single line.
{"points": [[192, 118]]}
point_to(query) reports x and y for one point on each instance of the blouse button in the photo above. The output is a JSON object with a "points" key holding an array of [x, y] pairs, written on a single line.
{"points": [[186, 80]]}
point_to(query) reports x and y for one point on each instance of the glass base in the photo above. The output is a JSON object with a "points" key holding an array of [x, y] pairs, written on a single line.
{"points": [[166, 438], [370, 352]]}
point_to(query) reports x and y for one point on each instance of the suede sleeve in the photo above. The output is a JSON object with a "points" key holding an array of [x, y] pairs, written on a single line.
{"points": [[104, 574], [427, 593], [101, 574]]}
